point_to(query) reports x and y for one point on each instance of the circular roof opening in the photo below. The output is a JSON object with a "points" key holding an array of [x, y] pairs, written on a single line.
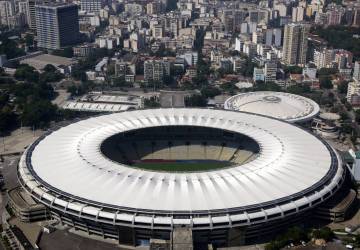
{"points": [[272, 99], [180, 148]]}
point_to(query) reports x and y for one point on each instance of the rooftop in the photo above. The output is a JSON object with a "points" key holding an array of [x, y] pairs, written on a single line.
{"points": [[281, 105], [285, 166]]}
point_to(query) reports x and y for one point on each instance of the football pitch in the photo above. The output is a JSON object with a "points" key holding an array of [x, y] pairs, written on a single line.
{"points": [[181, 166]]}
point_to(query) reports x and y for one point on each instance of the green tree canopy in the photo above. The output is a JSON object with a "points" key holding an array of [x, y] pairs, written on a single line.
{"points": [[26, 73], [195, 101], [38, 114], [210, 91]]}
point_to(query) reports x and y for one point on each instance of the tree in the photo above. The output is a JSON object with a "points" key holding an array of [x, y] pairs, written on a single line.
{"points": [[49, 68], [80, 89], [200, 80], [296, 234], [357, 116], [325, 83], [66, 52], [187, 86], [293, 70], [120, 82], [299, 89], [261, 86], [229, 87], [7, 119], [343, 116], [196, 101], [248, 69], [327, 72], [29, 40], [26, 73], [50, 77], [10, 49], [152, 102], [323, 233], [340, 37], [209, 91], [50, 74], [292, 235], [342, 87], [38, 114]]}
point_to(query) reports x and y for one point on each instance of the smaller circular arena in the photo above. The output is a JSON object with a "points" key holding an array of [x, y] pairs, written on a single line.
{"points": [[280, 105], [228, 177]]}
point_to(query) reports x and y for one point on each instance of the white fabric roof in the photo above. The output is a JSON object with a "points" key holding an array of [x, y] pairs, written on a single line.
{"points": [[290, 161], [281, 105], [97, 107]]}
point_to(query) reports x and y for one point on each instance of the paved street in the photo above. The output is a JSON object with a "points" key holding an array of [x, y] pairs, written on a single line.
{"points": [[8, 170], [18, 140], [63, 95]]}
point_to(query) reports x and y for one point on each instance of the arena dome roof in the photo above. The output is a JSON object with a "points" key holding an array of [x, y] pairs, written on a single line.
{"points": [[281, 105], [66, 168]]}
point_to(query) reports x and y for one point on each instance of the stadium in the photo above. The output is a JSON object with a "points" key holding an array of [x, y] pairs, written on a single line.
{"points": [[281, 105], [229, 177]]}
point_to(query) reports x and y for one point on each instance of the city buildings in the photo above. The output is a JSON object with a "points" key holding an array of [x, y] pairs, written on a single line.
{"points": [[156, 70], [57, 25], [356, 74], [298, 14], [125, 70], [31, 14], [7, 10], [258, 75], [295, 44], [92, 6], [270, 70], [353, 91], [324, 58]]}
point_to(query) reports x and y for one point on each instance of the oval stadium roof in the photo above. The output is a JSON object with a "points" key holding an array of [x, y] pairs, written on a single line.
{"points": [[281, 105], [286, 174]]}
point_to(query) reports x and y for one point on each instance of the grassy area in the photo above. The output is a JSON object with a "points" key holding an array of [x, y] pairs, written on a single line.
{"points": [[181, 166]]}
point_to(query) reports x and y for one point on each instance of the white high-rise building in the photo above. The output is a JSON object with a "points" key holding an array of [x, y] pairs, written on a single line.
{"points": [[295, 44], [281, 8], [273, 37], [7, 10], [356, 74], [270, 71], [353, 89], [297, 14], [324, 58], [24, 9]]}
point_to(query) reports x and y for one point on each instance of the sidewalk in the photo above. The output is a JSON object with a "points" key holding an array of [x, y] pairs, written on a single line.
{"points": [[18, 140]]}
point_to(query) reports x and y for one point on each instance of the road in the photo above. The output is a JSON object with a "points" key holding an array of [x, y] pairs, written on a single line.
{"points": [[8, 170], [63, 95], [18, 140]]}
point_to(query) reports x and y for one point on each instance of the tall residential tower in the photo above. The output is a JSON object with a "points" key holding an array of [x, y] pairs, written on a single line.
{"points": [[295, 43], [57, 25]]}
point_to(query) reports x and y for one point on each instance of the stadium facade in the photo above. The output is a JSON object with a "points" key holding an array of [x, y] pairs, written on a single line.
{"points": [[284, 177], [281, 105]]}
